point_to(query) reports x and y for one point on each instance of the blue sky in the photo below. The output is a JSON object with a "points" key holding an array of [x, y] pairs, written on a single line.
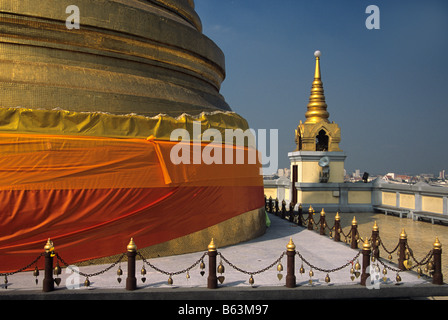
{"points": [[387, 89]]}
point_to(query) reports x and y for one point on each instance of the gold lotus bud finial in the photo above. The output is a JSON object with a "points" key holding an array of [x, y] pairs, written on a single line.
{"points": [[437, 244], [311, 210], [375, 227], [354, 222], [291, 246], [322, 213], [212, 246], [366, 245], [403, 234], [49, 246], [132, 246], [338, 217]]}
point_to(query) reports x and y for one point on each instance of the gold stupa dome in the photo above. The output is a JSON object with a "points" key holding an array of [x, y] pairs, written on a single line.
{"points": [[128, 56]]}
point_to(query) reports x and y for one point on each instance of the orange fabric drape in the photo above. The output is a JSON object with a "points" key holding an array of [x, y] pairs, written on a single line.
{"points": [[87, 224], [36, 162], [91, 195]]}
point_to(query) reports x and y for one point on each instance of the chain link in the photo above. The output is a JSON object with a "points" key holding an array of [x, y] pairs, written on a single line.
{"points": [[328, 270], [24, 268], [172, 273], [91, 275], [382, 245], [424, 261], [255, 272], [389, 267]]}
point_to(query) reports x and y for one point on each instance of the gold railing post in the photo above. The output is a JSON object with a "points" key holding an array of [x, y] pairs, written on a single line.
{"points": [[375, 241], [131, 280], [402, 250], [283, 210], [354, 234], [270, 205], [337, 227], [310, 218], [366, 251], [212, 280], [48, 283], [299, 216], [291, 212], [437, 277], [290, 267], [322, 222]]}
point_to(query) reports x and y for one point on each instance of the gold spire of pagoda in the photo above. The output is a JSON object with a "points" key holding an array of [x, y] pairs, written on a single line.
{"points": [[317, 107]]}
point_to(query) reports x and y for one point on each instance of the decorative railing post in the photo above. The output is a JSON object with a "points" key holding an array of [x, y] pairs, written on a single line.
{"points": [[291, 212], [290, 254], [375, 241], [277, 209], [300, 216], [402, 250], [131, 280], [212, 280], [337, 228], [310, 218], [322, 223], [48, 283], [354, 234], [283, 209], [270, 205], [366, 251], [437, 277]]}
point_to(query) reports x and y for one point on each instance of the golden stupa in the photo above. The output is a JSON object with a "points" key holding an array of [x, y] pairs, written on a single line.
{"points": [[86, 116], [317, 164], [317, 126]]}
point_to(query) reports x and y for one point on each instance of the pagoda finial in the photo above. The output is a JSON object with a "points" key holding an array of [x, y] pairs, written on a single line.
{"points": [[317, 107], [317, 74]]}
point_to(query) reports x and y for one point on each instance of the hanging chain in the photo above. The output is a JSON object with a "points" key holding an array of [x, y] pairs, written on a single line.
{"points": [[364, 240], [389, 267], [328, 270], [389, 252], [255, 272], [91, 275], [424, 261], [345, 235], [171, 273], [329, 229], [24, 268]]}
